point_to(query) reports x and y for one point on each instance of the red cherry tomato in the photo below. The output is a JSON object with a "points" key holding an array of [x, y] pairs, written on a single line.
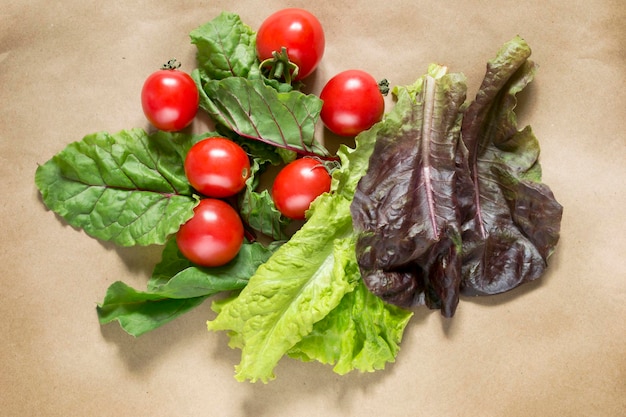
{"points": [[298, 184], [170, 99], [297, 30], [217, 167], [213, 236], [352, 103]]}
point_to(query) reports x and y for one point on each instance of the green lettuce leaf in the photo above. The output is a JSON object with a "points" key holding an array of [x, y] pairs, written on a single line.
{"points": [[302, 283], [128, 188], [297, 287], [177, 286], [362, 333]]}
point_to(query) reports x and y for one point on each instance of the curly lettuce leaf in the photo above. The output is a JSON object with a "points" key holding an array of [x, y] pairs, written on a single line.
{"points": [[512, 219], [404, 208], [128, 188], [302, 283], [297, 287], [176, 287], [362, 333]]}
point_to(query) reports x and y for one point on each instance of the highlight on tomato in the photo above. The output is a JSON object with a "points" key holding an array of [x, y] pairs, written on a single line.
{"points": [[170, 98], [298, 33], [217, 167], [352, 102], [298, 184], [213, 236]]}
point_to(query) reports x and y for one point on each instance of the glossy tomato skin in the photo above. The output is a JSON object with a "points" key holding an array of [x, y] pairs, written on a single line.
{"points": [[352, 103], [170, 99], [298, 184], [217, 167], [213, 236], [297, 30]]}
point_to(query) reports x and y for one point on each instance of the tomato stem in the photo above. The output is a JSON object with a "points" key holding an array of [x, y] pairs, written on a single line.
{"points": [[279, 67], [172, 64], [383, 86]]}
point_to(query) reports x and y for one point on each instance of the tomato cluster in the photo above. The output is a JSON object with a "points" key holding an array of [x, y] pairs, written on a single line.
{"points": [[291, 43], [352, 99]]}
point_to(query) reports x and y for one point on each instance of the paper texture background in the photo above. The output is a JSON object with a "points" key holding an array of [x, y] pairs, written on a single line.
{"points": [[555, 347]]}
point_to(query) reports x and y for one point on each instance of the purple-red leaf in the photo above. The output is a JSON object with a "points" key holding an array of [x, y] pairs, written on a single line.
{"points": [[452, 201], [513, 223], [405, 207]]}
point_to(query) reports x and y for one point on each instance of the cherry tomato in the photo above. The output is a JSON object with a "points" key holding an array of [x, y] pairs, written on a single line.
{"points": [[213, 236], [217, 167], [297, 30], [352, 103], [298, 184], [170, 99]]}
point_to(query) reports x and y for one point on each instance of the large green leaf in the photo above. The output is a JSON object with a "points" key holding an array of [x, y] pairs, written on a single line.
{"points": [[257, 111], [129, 188], [177, 286], [139, 312], [299, 286]]}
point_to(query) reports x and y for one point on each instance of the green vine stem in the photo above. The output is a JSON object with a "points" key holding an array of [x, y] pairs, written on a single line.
{"points": [[279, 67]]}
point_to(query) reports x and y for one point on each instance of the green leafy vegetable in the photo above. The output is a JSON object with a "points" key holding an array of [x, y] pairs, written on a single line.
{"points": [[176, 287], [257, 111], [237, 96], [362, 333], [139, 312], [129, 188], [288, 298], [258, 209], [256, 206], [226, 47]]}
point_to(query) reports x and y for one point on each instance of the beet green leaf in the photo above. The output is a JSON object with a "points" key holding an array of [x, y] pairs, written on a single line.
{"points": [[254, 110], [128, 188], [226, 47], [176, 287]]}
